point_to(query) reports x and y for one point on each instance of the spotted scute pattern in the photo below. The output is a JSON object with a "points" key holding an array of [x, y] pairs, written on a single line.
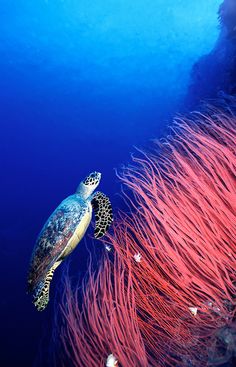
{"points": [[103, 213], [92, 179], [54, 237]]}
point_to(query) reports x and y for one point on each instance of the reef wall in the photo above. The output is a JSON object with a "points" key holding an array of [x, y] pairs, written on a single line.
{"points": [[215, 74]]}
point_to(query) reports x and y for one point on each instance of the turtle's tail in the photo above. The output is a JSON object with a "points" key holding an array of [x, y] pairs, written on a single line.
{"points": [[41, 292]]}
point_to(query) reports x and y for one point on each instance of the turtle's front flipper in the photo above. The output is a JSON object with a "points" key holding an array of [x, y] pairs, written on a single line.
{"points": [[41, 292], [103, 213]]}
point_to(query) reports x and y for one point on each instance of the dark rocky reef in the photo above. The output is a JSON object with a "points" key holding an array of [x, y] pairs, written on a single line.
{"points": [[227, 17], [215, 74]]}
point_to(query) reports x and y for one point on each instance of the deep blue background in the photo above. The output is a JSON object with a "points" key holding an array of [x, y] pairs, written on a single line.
{"points": [[81, 84]]}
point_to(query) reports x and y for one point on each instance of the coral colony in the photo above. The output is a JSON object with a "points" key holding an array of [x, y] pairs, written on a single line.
{"points": [[167, 295]]}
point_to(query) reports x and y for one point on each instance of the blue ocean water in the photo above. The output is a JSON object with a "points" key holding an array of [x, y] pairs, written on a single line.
{"points": [[82, 84]]}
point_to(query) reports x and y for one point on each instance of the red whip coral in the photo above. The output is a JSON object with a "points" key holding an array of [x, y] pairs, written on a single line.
{"points": [[169, 297], [107, 322]]}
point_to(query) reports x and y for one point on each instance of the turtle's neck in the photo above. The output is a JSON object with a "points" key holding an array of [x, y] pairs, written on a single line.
{"points": [[84, 191]]}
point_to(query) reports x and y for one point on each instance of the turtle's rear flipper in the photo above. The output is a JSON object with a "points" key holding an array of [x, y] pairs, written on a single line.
{"points": [[103, 213], [41, 292]]}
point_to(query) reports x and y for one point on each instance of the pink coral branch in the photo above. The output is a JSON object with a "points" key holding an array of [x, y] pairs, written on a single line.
{"points": [[172, 286]]}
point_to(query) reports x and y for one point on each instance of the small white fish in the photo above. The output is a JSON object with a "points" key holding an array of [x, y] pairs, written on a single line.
{"points": [[111, 361], [137, 257], [193, 310], [108, 248]]}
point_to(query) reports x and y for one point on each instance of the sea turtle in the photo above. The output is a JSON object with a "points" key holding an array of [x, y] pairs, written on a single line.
{"points": [[63, 231]]}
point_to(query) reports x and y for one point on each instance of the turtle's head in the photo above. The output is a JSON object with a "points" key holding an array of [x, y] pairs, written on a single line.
{"points": [[88, 185]]}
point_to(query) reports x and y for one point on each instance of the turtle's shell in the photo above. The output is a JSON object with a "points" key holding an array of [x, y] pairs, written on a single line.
{"points": [[54, 237]]}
